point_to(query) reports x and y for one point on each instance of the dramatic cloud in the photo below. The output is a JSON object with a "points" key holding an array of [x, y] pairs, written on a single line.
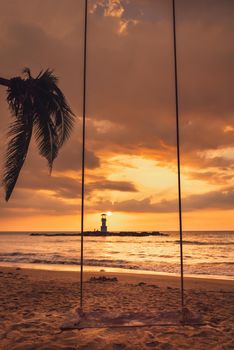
{"points": [[211, 200], [130, 99]]}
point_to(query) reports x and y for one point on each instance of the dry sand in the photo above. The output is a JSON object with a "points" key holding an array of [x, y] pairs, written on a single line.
{"points": [[35, 303]]}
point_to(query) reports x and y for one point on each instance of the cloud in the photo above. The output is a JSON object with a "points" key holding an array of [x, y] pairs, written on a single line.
{"points": [[130, 79], [214, 177], [222, 200], [30, 203], [27, 203], [140, 100], [38, 193], [104, 185], [130, 88]]}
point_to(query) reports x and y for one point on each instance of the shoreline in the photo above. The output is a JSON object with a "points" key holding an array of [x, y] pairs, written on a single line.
{"points": [[161, 280], [110, 270]]}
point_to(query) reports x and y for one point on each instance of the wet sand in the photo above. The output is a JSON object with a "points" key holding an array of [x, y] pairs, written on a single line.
{"points": [[35, 303]]}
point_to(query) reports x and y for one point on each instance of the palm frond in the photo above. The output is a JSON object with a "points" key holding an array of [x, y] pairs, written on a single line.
{"points": [[35, 102], [47, 139], [16, 95], [56, 104], [20, 133], [53, 117]]}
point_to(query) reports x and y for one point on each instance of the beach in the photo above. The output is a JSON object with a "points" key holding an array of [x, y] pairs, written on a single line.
{"points": [[117, 181], [35, 304]]}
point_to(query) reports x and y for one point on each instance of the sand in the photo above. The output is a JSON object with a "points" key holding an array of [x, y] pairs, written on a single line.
{"points": [[35, 303]]}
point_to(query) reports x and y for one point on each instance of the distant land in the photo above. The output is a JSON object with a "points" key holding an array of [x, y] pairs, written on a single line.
{"points": [[102, 234]]}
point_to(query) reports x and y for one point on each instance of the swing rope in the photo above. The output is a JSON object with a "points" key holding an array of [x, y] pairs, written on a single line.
{"points": [[83, 152], [178, 154]]}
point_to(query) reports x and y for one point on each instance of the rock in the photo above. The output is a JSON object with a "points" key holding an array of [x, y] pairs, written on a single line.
{"points": [[103, 279]]}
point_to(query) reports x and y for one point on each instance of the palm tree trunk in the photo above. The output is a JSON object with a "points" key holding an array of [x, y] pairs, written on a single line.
{"points": [[4, 82]]}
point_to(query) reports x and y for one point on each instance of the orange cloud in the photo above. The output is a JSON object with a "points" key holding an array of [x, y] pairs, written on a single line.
{"points": [[130, 100]]}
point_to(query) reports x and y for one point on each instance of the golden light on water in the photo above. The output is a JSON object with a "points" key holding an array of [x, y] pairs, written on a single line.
{"points": [[109, 213]]}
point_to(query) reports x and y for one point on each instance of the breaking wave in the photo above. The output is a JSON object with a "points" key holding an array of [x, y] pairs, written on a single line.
{"points": [[57, 259]]}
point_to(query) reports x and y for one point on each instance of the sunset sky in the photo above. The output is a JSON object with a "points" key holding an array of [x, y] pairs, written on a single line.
{"points": [[131, 155]]}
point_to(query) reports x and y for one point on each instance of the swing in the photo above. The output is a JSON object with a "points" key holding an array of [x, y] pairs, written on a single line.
{"points": [[81, 320]]}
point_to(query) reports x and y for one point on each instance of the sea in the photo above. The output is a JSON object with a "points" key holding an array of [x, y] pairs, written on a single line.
{"points": [[205, 253]]}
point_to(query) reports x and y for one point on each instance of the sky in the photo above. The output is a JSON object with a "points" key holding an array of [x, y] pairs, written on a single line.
{"points": [[131, 165]]}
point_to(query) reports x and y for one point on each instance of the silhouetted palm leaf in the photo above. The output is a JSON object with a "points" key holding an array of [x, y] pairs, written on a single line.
{"points": [[35, 103], [20, 133]]}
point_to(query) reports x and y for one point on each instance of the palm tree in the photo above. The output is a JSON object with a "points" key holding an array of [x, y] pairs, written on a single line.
{"points": [[37, 104]]}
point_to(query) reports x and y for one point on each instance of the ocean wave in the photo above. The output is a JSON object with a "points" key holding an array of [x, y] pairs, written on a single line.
{"points": [[17, 254], [222, 263], [205, 243], [62, 261], [221, 267]]}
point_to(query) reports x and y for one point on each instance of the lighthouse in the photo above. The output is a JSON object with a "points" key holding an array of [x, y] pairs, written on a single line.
{"points": [[103, 220]]}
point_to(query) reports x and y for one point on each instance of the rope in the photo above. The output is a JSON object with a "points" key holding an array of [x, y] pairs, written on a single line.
{"points": [[178, 155], [83, 152]]}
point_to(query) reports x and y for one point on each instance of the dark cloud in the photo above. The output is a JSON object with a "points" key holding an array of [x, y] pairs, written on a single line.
{"points": [[29, 203], [67, 187], [70, 157], [130, 78], [26, 203], [130, 85], [104, 185], [222, 200]]}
